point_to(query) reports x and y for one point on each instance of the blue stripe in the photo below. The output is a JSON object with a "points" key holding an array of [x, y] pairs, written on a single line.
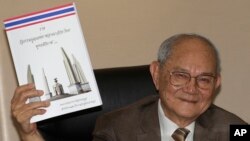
{"points": [[39, 17]]}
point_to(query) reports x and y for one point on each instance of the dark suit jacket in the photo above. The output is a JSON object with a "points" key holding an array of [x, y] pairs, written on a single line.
{"points": [[139, 122]]}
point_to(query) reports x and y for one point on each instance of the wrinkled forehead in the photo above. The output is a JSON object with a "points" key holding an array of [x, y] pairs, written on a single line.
{"points": [[192, 45], [193, 51]]}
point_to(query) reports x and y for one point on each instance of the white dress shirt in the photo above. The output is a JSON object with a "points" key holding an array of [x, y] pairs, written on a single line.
{"points": [[168, 127]]}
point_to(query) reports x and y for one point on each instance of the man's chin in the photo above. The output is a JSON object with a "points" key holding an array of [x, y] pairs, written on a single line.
{"points": [[190, 111]]}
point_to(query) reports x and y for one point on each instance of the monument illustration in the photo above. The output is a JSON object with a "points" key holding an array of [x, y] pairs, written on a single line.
{"points": [[78, 83]]}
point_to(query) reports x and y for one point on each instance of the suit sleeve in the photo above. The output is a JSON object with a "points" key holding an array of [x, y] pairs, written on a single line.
{"points": [[103, 130]]}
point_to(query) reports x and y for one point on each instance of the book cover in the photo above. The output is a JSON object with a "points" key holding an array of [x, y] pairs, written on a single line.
{"points": [[48, 48]]}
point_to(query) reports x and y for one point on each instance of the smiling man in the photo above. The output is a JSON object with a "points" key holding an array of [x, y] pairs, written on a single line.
{"points": [[186, 75], [187, 79]]}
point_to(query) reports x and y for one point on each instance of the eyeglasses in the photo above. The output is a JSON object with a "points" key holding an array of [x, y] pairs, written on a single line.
{"points": [[203, 81]]}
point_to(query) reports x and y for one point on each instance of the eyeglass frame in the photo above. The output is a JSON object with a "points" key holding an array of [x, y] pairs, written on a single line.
{"points": [[190, 77]]}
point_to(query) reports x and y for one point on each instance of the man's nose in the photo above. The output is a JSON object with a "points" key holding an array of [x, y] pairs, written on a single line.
{"points": [[190, 86]]}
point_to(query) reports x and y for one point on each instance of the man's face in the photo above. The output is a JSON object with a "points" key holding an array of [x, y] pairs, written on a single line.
{"points": [[187, 101]]}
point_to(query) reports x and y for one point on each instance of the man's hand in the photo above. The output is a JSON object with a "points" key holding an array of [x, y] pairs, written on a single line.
{"points": [[22, 111]]}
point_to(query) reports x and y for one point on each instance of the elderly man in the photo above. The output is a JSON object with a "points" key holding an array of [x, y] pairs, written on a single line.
{"points": [[186, 74]]}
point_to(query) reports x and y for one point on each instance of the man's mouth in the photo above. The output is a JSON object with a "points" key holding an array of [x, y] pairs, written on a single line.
{"points": [[189, 100]]}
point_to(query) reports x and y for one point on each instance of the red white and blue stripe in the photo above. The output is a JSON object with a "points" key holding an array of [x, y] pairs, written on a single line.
{"points": [[39, 17]]}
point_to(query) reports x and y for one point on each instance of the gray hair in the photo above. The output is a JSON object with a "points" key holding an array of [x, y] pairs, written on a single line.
{"points": [[166, 48]]}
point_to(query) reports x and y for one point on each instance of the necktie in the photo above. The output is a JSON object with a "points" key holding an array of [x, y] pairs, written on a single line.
{"points": [[180, 134]]}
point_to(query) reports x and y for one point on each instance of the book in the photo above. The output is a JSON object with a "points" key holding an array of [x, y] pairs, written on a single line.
{"points": [[48, 48]]}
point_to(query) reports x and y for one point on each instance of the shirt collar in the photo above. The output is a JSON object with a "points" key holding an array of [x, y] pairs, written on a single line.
{"points": [[167, 126]]}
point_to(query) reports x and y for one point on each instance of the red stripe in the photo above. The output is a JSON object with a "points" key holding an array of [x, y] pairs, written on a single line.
{"points": [[33, 13], [40, 21]]}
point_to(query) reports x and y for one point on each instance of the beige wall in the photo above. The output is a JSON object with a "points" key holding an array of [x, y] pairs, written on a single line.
{"points": [[128, 32]]}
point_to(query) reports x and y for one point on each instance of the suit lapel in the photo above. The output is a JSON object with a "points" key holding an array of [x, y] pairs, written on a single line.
{"points": [[201, 132], [150, 128], [203, 128]]}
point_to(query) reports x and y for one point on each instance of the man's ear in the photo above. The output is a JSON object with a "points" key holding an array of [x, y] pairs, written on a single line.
{"points": [[218, 81], [154, 70]]}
